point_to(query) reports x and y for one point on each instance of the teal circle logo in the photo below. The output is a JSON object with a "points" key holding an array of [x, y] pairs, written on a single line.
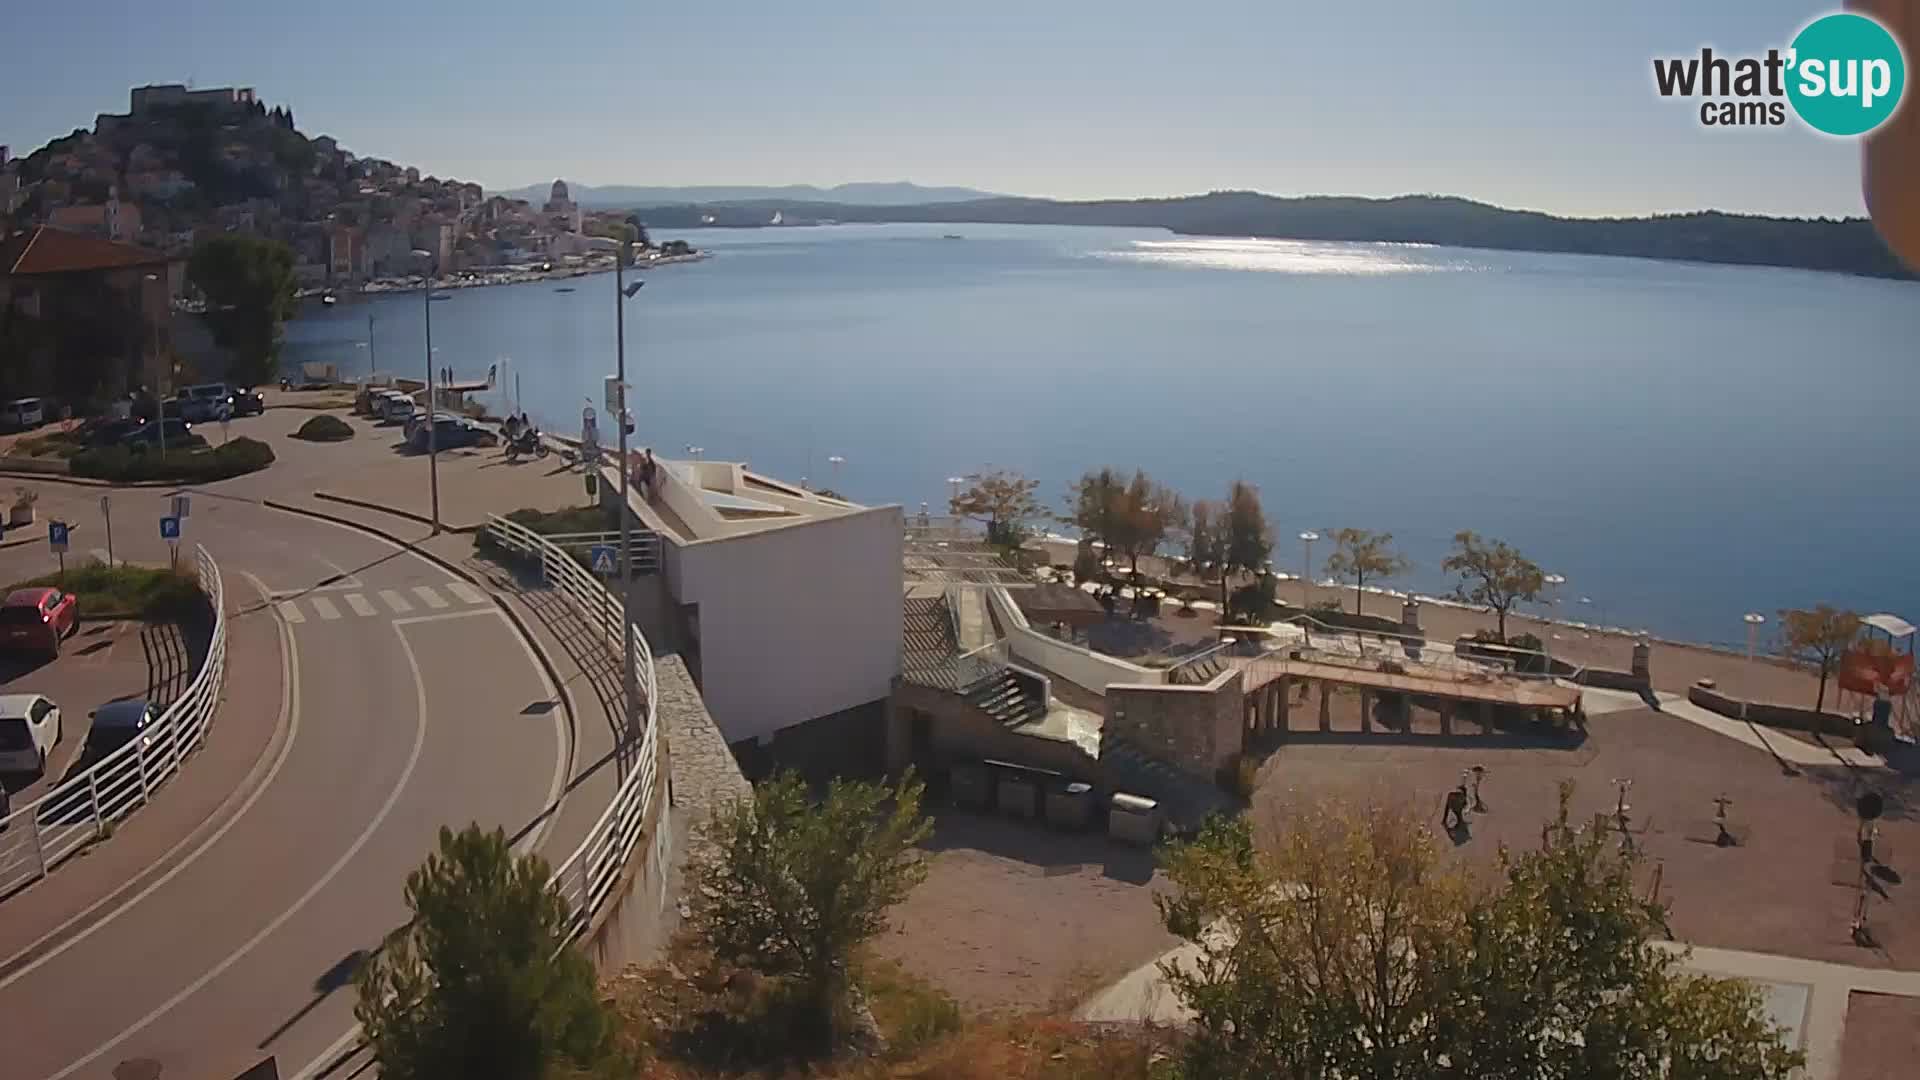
{"points": [[1846, 74]]}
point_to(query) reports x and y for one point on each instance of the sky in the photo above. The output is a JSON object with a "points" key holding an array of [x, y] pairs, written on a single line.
{"points": [[1547, 105]]}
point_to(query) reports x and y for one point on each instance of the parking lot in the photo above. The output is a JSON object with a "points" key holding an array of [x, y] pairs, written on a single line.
{"points": [[102, 662]]}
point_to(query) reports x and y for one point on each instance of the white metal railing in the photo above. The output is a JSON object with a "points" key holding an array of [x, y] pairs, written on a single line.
{"points": [[1347, 646], [588, 876], [644, 544], [39, 835]]}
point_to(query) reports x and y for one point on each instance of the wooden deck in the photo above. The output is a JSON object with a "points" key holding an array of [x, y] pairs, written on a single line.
{"points": [[1532, 694]]}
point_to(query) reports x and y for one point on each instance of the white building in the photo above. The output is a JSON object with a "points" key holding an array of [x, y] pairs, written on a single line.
{"points": [[785, 603]]}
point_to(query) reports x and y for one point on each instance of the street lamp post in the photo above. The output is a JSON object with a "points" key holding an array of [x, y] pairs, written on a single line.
{"points": [[1753, 621], [1306, 573], [1553, 583], [160, 397], [835, 460], [621, 294], [433, 448]]}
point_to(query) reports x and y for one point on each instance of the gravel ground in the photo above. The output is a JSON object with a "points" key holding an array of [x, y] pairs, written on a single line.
{"points": [[1015, 917]]}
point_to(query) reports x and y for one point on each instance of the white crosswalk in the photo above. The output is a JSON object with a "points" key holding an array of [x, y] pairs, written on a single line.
{"points": [[359, 605]]}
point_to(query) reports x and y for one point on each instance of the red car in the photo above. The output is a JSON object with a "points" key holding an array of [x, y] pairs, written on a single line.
{"points": [[38, 619]]}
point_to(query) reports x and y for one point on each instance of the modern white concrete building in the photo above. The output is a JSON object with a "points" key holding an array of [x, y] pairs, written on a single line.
{"points": [[785, 604]]}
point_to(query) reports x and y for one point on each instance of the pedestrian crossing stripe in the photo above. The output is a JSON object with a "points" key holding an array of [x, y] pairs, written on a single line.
{"points": [[327, 607]]}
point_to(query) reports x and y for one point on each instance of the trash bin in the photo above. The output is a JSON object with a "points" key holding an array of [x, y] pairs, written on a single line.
{"points": [[1133, 819], [1070, 806]]}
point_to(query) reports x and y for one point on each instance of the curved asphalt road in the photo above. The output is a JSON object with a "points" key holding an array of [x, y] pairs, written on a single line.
{"points": [[400, 722]]}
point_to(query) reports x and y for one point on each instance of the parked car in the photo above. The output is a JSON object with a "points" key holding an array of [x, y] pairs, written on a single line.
{"points": [[29, 730], [206, 402], [24, 414], [118, 723], [111, 432], [248, 402], [179, 434], [38, 618], [395, 406], [451, 433]]}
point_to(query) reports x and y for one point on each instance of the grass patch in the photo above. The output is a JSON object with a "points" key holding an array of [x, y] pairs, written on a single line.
{"points": [[324, 429], [688, 1020], [55, 444], [121, 464], [577, 519], [911, 1012], [125, 592]]}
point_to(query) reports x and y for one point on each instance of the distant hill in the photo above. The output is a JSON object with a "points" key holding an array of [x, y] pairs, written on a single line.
{"points": [[896, 193], [1842, 245]]}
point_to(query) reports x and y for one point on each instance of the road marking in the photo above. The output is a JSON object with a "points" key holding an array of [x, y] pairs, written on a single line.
{"points": [[562, 765], [290, 715], [290, 611], [386, 808], [429, 597], [359, 604], [466, 592], [395, 601], [448, 616], [325, 608]]}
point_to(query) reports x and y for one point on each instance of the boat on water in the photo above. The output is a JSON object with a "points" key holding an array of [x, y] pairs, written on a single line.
{"points": [[777, 218], [952, 236], [564, 288], [329, 299]]}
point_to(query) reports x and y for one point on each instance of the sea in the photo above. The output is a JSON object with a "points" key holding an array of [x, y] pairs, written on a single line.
{"points": [[1683, 443]]}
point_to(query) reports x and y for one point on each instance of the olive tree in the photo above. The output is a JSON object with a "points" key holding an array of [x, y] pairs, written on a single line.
{"points": [[1493, 575], [1337, 942], [1819, 637], [1002, 500], [1359, 554], [792, 886]]}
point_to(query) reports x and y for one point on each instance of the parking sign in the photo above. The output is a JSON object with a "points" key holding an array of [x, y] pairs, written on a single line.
{"points": [[169, 528], [57, 536]]}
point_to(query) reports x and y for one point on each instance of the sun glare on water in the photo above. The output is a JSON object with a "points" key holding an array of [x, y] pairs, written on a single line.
{"points": [[1290, 256]]}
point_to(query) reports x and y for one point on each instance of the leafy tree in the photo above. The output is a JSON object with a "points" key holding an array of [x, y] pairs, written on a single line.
{"points": [[793, 887], [481, 981], [1819, 637], [1004, 501], [249, 286], [1335, 943], [1228, 538], [1492, 575], [1360, 554], [1094, 507]]}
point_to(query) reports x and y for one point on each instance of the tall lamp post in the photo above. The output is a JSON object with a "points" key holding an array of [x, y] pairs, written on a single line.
{"points": [[433, 449], [1306, 572], [160, 362], [622, 292], [1753, 621]]}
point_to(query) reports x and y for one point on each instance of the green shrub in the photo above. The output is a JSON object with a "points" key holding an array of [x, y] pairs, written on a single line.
{"points": [[324, 429], [128, 592], [122, 464]]}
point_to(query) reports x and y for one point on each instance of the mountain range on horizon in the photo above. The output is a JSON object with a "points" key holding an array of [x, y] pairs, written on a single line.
{"points": [[870, 193]]}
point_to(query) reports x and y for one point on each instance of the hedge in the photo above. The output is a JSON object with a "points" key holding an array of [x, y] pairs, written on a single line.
{"points": [[324, 429], [124, 465]]}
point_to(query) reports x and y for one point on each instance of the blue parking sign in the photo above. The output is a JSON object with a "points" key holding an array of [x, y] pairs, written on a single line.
{"points": [[169, 528], [57, 535]]}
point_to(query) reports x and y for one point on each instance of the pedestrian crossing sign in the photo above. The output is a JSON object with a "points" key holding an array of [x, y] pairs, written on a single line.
{"points": [[602, 558]]}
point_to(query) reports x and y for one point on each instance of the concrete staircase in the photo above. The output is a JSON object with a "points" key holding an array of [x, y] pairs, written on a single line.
{"points": [[1008, 698]]}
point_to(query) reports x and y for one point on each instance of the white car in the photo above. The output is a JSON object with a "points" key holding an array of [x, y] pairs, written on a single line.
{"points": [[29, 728]]}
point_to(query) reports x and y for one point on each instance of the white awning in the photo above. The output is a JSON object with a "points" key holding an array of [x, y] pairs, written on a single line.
{"points": [[1892, 625]]}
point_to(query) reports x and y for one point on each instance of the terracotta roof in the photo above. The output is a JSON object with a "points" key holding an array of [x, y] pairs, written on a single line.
{"points": [[47, 250]]}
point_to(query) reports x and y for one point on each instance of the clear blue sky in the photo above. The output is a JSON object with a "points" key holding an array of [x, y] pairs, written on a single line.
{"points": [[1544, 105]]}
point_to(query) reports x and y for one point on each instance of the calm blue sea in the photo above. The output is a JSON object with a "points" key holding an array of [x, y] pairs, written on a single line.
{"points": [[1683, 442]]}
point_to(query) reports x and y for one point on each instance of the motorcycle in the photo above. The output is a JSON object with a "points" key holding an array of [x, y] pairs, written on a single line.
{"points": [[527, 443]]}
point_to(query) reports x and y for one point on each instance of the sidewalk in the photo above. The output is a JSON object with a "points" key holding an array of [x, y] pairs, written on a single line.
{"points": [[247, 733]]}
